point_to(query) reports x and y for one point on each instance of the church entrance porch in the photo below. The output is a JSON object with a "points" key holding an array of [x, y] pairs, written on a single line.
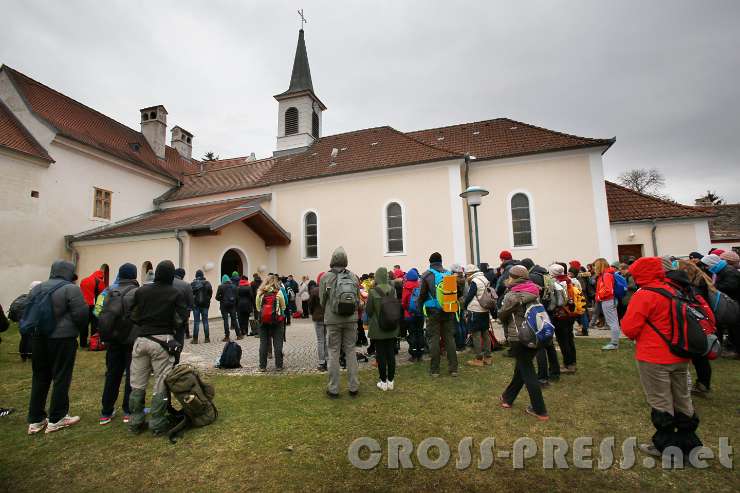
{"points": [[233, 260]]}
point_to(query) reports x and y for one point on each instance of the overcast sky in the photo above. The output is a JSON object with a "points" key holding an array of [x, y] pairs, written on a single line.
{"points": [[661, 76]]}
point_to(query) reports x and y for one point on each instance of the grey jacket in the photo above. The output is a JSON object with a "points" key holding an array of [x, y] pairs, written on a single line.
{"points": [[186, 290], [338, 264], [511, 313], [70, 309]]}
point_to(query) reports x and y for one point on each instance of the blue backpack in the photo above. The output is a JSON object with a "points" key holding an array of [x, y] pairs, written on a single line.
{"points": [[620, 285], [414, 302], [536, 329], [38, 317]]}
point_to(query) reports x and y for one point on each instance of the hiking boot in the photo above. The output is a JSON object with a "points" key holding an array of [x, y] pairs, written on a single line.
{"points": [[206, 340], [504, 404], [382, 386], [476, 362], [34, 428], [322, 367], [194, 341], [649, 449], [700, 389], [225, 339], [354, 393], [541, 417], [62, 423], [488, 360], [239, 337], [570, 369], [332, 395], [262, 370], [610, 347]]}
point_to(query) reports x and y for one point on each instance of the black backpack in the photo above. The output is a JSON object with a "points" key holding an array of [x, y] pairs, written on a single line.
{"points": [[390, 311], [231, 357], [38, 316], [200, 293], [229, 295], [114, 323], [17, 308]]}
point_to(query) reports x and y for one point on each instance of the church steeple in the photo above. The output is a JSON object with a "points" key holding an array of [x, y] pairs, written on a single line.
{"points": [[299, 109]]}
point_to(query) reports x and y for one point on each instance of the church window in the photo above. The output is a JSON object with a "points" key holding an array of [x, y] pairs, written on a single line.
{"points": [[394, 228], [521, 221], [291, 121], [315, 125], [102, 205], [310, 235]]}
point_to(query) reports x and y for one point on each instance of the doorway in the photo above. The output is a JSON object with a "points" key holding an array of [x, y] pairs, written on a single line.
{"points": [[233, 260], [106, 273], [627, 251]]}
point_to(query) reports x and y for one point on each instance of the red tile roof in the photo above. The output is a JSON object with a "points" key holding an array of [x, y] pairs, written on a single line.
{"points": [[627, 205], [502, 137], [76, 121], [198, 218], [14, 136], [725, 227]]}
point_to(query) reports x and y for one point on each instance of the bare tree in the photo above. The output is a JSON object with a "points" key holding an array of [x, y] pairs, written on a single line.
{"points": [[210, 156], [647, 181], [710, 198]]}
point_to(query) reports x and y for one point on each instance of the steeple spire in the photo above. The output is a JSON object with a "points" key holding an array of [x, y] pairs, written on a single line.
{"points": [[300, 79]]}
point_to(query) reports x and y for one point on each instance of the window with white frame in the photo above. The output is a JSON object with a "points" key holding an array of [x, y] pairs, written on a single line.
{"points": [[521, 220], [310, 235], [394, 228]]}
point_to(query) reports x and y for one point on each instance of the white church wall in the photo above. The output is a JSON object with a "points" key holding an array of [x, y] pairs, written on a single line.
{"points": [[678, 238]]}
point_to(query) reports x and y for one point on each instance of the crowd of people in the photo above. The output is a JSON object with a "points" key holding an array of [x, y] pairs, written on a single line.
{"points": [[437, 311]]}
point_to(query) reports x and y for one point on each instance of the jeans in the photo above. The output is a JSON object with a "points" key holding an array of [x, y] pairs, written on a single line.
{"points": [[546, 355], [198, 314], [342, 337], [566, 340], [415, 336], [524, 375], [321, 348], [276, 333], [609, 309], [53, 361], [226, 314], [117, 362], [478, 325], [441, 324], [386, 356]]}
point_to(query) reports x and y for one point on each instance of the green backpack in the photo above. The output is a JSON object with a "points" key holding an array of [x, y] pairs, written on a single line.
{"points": [[195, 397]]}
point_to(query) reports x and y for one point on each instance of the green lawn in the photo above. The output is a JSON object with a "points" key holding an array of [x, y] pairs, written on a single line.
{"points": [[280, 433]]}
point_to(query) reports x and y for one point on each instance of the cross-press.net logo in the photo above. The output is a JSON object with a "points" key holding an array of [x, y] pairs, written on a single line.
{"points": [[557, 453]]}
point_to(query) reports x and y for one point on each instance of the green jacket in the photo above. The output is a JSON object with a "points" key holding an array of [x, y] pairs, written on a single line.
{"points": [[373, 306], [338, 264]]}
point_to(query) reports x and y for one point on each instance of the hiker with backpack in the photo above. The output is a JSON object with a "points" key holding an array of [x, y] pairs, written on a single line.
{"points": [[317, 315], [202, 294], [114, 326], [478, 302], [606, 297], [412, 311], [520, 295], [651, 319], [91, 287], [439, 291], [726, 279], [55, 314], [15, 313], [551, 296], [383, 318], [244, 304], [339, 294], [271, 305], [564, 317], [157, 312], [226, 296], [179, 283]]}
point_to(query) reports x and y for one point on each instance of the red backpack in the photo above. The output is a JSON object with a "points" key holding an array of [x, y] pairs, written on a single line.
{"points": [[270, 312], [96, 344]]}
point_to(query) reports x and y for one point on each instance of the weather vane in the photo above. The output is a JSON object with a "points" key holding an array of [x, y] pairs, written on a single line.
{"points": [[303, 19]]}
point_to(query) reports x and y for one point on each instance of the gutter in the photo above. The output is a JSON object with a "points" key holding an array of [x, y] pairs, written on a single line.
{"points": [[652, 236], [180, 248], [470, 223], [69, 246]]}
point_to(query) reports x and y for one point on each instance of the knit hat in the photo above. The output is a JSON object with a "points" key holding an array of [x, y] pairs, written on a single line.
{"points": [[435, 258], [199, 274], [127, 271], [518, 271], [180, 273], [556, 270], [235, 274], [412, 275], [716, 251], [731, 257], [696, 255], [225, 278], [710, 260], [456, 268], [505, 255], [471, 269], [575, 264], [667, 262]]}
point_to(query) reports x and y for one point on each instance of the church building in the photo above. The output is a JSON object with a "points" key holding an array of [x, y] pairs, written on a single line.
{"points": [[79, 185]]}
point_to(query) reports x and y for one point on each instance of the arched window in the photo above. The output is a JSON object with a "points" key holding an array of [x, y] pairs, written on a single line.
{"points": [[394, 228], [315, 125], [521, 220], [291, 121], [310, 236]]}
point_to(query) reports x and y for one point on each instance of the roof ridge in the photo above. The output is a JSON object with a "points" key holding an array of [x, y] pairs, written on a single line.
{"points": [[651, 197], [238, 165], [460, 124], [22, 128], [564, 134], [436, 148]]}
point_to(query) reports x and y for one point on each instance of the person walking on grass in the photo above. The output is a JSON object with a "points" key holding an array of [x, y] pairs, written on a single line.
{"points": [[202, 294], [184, 330], [54, 355], [478, 317], [438, 322], [606, 300], [226, 296], [563, 321], [412, 315], [521, 292], [383, 327], [271, 306], [339, 294], [317, 315]]}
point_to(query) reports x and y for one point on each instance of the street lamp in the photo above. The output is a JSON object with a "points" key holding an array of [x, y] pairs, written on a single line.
{"points": [[473, 196]]}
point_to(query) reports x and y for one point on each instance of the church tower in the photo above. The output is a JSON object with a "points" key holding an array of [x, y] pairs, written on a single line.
{"points": [[299, 110]]}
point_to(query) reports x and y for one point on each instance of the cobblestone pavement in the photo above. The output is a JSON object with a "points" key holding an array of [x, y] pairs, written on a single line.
{"points": [[299, 349]]}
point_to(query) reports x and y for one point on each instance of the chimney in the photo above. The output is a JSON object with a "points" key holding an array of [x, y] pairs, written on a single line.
{"points": [[182, 141], [154, 128], [252, 157]]}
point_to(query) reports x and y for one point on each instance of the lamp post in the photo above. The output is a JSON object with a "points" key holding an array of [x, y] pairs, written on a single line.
{"points": [[473, 196]]}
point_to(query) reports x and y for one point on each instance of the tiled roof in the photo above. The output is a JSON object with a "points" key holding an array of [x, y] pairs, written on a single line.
{"points": [[501, 138], [76, 121], [13, 135], [726, 225], [627, 205], [199, 218]]}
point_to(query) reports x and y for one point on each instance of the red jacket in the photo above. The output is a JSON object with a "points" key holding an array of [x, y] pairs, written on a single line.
{"points": [[647, 305], [92, 286], [605, 285], [408, 288]]}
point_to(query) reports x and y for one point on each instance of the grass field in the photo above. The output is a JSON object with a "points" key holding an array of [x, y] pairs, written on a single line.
{"points": [[280, 433]]}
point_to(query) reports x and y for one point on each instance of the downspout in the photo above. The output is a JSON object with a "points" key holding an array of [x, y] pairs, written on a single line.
{"points": [[655, 241], [69, 246], [180, 248], [470, 221]]}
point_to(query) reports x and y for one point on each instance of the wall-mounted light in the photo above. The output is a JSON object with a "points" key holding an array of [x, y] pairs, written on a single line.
{"points": [[208, 266], [631, 234]]}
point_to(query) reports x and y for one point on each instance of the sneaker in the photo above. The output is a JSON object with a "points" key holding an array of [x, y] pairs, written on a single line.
{"points": [[541, 417], [62, 423], [322, 367], [700, 389], [649, 449], [239, 338], [435, 374], [544, 383], [389, 384], [262, 370], [453, 374], [504, 404], [332, 395], [568, 370], [610, 347], [4, 411], [104, 420], [382, 386], [476, 362], [126, 418], [278, 368], [34, 428]]}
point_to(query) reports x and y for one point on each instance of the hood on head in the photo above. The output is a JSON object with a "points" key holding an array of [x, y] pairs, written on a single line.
{"points": [[99, 274], [180, 273], [225, 278], [62, 269], [381, 276], [412, 274], [528, 263], [339, 258], [199, 274], [524, 286], [165, 272], [647, 270]]}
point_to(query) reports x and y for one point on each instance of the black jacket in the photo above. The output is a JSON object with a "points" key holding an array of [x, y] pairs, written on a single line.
{"points": [[728, 281], [225, 292], [201, 284], [159, 308], [244, 299]]}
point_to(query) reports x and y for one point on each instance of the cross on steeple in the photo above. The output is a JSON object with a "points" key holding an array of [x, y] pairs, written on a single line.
{"points": [[303, 19]]}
